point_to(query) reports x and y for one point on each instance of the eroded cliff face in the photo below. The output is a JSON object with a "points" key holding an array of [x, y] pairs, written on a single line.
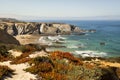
{"points": [[19, 28]]}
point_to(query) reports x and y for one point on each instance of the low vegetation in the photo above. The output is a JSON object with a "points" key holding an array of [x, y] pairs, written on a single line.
{"points": [[4, 55], [57, 66], [5, 71], [63, 67], [65, 55], [25, 49]]}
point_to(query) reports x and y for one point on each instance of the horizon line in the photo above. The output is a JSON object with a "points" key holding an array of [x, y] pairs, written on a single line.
{"points": [[22, 17]]}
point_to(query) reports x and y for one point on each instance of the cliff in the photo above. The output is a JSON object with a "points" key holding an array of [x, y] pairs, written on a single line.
{"points": [[15, 27]]}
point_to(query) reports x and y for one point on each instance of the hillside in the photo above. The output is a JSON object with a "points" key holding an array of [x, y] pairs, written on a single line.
{"points": [[7, 39], [8, 20]]}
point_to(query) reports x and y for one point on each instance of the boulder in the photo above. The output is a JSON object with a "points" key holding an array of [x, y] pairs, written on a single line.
{"points": [[77, 29]]}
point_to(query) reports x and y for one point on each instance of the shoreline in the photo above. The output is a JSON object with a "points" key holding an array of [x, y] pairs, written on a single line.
{"points": [[32, 51], [53, 43]]}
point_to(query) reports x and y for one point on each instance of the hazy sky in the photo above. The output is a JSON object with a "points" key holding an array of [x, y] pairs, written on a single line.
{"points": [[60, 8]]}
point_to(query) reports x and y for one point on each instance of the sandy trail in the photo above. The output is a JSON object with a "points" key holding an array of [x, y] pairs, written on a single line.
{"points": [[20, 74]]}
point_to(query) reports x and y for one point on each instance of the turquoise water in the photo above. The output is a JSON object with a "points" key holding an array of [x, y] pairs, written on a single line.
{"points": [[107, 32]]}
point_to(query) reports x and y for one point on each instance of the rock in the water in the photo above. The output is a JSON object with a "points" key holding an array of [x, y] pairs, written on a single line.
{"points": [[102, 43], [77, 29], [7, 39], [92, 30]]}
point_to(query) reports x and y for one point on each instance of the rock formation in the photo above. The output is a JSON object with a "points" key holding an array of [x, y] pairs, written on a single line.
{"points": [[19, 28]]}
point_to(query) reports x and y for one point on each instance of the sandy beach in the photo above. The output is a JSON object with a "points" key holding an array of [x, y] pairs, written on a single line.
{"points": [[27, 39]]}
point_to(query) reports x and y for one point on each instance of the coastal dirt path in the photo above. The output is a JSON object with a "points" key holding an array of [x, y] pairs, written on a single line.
{"points": [[20, 74]]}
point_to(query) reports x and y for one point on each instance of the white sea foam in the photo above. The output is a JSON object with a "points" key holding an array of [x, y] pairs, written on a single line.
{"points": [[56, 38], [89, 53], [72, 46], [49, 40], [44, 40], [87, 34]]}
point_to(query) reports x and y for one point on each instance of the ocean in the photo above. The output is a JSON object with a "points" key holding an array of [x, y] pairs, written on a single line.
{"points": [[107, 32]]}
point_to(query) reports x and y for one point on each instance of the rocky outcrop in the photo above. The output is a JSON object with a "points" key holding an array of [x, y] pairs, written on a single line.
{"points": [[63, 27], [19, 28], [7, 39]]}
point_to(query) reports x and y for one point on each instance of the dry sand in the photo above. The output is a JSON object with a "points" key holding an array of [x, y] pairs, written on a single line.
{"points": [[27, 39], [104, 63], [38, 53], [15, 53]]}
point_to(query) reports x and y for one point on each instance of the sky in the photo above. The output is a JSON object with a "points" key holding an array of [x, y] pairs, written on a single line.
{"points": [[85, 9]]}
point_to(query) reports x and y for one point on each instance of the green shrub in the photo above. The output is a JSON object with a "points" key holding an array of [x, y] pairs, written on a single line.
{"points": [[3, 50], [38, 60], [4, 55], [5, 71], [41, 67]]}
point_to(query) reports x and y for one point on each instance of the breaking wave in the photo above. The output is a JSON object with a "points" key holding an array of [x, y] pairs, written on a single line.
{"points": [[89, 53]]}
